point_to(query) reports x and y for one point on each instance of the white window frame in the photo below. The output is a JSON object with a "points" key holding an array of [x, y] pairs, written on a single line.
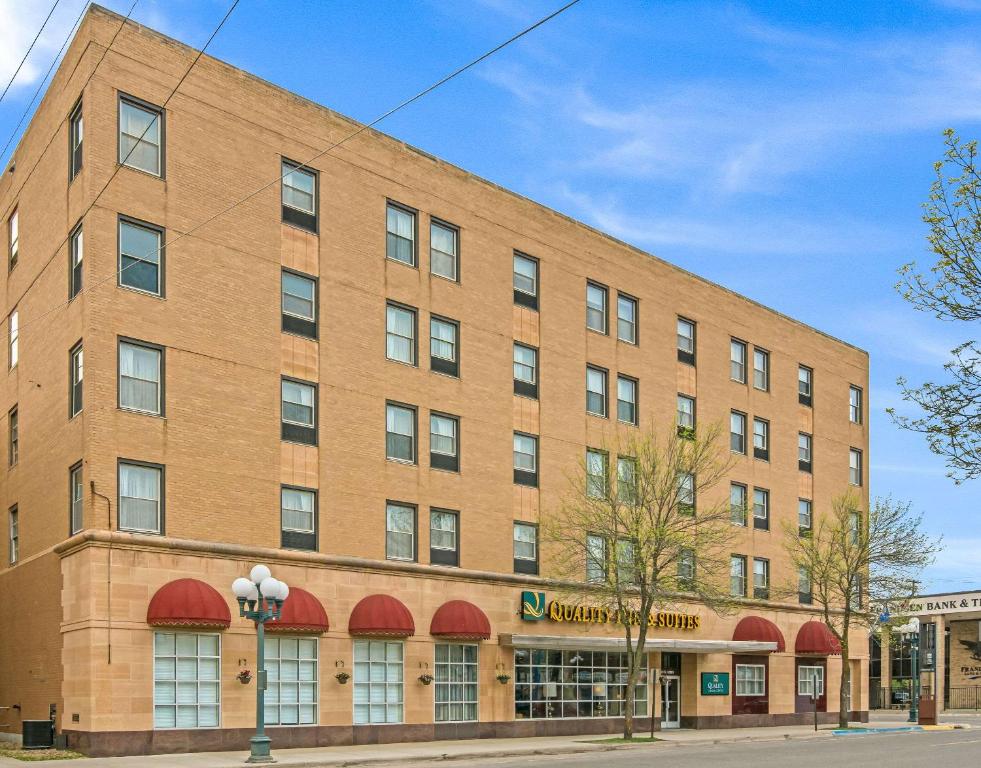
{"points": [[520, 364], [764, 576], [737, 360], [158, 410], [76, 377], [520, 436], [596, 559], [737, 418], [399, 210], [761, 434], [803, 504], [631, 384], [686, 340], [597, 473], [741, 522], [312, 424], [520, 258], [159, 678], [75, 500], [283, 508], [453, 677], [804, 445], [276, 685], [740, 561], [76, 257], [435, 340], [143, 258], [390, 309], [805, 381], [159, 500], [855, 407], [312, 317], [766, 503], [686, 412], [806, 681], [392, 711], [454, 437], [603, 378], [153, 136], [413, 438], [624, 322], [289, 170], [454, 256], [593, 291], [761, 375], [13, 533], [855, 469], [13, 238], [758, 680], [13, 338], [533, 542], [448, 514], [390, 531]]}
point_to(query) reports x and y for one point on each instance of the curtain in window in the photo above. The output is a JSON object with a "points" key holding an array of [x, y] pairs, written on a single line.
{"points": [[298, 296], [400, 428], [139, 138], [400, 334], [139, 497], [401, 528], [442, 533], [298, 189], [298, 510], [298, 403], [139, 377], [443, 340], [443, 435]]}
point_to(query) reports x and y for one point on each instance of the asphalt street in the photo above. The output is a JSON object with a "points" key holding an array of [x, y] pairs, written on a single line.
{"points": [[897, 750]]}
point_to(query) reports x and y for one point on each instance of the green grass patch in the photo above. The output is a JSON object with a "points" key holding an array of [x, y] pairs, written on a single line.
{"points": [[37, 755], [621, 740]]}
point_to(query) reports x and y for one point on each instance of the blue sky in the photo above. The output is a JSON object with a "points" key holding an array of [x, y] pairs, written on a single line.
{"points": [[782, 149]]}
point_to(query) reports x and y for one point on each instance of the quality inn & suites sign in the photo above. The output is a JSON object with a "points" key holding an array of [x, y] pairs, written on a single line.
{"points": [[534, 607]]}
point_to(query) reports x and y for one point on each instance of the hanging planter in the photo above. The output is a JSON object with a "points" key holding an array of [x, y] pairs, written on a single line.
{"points": [[244, 676], [503, 678], [342, 677], [425, 679]]}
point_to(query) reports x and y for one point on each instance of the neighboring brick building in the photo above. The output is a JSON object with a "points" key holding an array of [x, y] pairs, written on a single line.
{"points": [[257, 392]]}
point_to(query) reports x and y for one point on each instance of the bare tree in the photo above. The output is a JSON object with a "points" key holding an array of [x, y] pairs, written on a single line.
{"points": [[647, 537], [951, 290], [856, 564]]}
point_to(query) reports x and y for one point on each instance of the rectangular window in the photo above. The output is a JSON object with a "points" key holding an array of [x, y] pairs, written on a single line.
{"points": [[737, 360], [804, 452], [75, 523], [299, 412], [626, 318], [761, 509], [525, 281], [13, 239], [626, 561], [141, 132], [737, 504], [400, 531], [378, 682], [400, 433], [761, 369], [298, 518], [596, 307], [299, 304], [141, 257], [686, 341], [140, 377], [444, 452], [140, 497], [737, 432], [686, 493], [13, 338], [596, 473], [737, 576], [525, 371], [525, 548], [686, 568], [595, 391], [75, 376], [444, 537], [805, 384], [13, 530], [400, 334], [76, 252], [854, 466], [627, 399], [187, 680], [627, 479], [750, 680], [686, 416], [574, 683], [810, 681], [804, 515], [761, 439], [595, 559], [456, 683], [299, 195], [804, 586], [854, 405], [525, 459], [855, 596], [444, 346], [854, 527], [761, 578], [292, 675], [400, 243], [443, 256], [76, 134], [13, 437]]}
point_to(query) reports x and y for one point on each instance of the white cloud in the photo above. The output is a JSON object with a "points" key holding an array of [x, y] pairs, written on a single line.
{"points": [[904, 334], [958, 566]]}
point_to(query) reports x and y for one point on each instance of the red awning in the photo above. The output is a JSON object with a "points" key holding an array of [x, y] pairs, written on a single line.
{"points": [[381, 615], [816, 639], [758, 629], [460, 620], [302, 612], [188, 603]]}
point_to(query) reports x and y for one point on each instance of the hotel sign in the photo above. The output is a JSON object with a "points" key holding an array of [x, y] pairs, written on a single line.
{"points": [[715, 683], [534, 607]]}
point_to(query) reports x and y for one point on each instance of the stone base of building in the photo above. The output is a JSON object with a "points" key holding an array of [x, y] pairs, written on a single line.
{"points": [[118, 743]]}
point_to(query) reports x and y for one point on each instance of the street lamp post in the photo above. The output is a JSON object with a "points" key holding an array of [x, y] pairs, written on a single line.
{"points": [[914, 702], [264, 597]]}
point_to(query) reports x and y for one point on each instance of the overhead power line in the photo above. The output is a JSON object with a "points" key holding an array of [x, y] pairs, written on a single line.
{"points": [[29, 49]]}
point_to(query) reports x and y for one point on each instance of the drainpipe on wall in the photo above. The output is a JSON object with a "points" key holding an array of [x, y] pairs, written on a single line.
{"points": [[108, 572]]}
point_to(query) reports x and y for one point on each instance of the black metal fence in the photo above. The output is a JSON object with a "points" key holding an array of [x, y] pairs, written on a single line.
{"points": [[963, 697]]}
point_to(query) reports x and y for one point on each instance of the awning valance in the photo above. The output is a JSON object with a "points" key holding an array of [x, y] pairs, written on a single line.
{"points": [[381, 616], [756, 628], [564, 642], [815, 639], [302, 612], [188, 603], [460, 620]]}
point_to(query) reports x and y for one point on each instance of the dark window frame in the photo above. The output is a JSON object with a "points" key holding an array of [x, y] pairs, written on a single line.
{"points": [[761, 593], [521, 565], [861, 404], [300, 540], [415, 530], [807, 399], [442, 461], [745, 361], [161, 264], [75, 286], [439, 556], [522, 298], [415, 433], [163, 494], [295, 325], [439, 364], [636, 303], [435, 220], [162, 384], [78, 466], [414, 213], [415, 332], [13, 437], [745, 418], [295, 217], [291, 433], [524, 388], [75, 154], [683, 430], [161, 116], [766, 371], [636, 403], [806, 466], [761, 523], [524, 476], [606, 391], [763, 454], [606, 307], [684, 356], [76, 391], [12, 258], [746, 508]]}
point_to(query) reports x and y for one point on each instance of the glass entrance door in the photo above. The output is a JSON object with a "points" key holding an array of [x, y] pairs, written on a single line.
{"points": [[670, 701]]}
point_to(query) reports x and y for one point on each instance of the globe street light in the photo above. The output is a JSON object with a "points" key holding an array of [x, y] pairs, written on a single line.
{"points": [[264, 597]]}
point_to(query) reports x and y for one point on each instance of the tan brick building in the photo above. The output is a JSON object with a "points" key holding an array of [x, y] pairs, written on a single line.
{"points": [[259, 389]]}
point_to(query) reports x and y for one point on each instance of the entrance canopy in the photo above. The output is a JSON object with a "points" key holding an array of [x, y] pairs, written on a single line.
{"points": [[566, 642]]}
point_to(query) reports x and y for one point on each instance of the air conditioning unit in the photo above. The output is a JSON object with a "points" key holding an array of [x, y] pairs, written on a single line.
{"points": [[38, 734]]}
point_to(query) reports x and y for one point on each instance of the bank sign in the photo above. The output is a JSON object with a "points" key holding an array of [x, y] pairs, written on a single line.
{"points": [[715, 683], [534, 607], [962, 602]]}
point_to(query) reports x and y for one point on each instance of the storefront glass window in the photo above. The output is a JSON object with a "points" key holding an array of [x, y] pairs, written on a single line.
{"points": [[186, 689], [291, 693], [377, 682], [561, 684], [750, 680], [456, 682]]}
